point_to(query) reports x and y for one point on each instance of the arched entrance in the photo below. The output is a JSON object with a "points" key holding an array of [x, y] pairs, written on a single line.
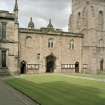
{"points": [[101, 65], [23, 67], [77, 67], [50, 63]]}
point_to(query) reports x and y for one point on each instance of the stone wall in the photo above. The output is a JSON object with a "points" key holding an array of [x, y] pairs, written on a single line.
{"points": [[61, 50]]}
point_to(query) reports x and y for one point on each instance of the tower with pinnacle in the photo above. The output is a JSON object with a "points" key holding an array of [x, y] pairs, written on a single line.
{"points": [[16, 11]]}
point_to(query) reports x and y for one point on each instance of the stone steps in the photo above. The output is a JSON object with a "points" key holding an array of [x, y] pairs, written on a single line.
{"points": [[4, 73]]}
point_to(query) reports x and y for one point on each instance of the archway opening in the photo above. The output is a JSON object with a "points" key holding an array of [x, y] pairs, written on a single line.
{"points": [[77, 67], [102, 65], [23, 67], [50, 63]]}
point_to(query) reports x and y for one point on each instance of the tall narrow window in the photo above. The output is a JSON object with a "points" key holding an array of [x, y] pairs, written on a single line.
{"points": [[29, 42], [100, 20], [79, 20], [3, 60], [71, 44], [101, 43], [51, 43], [0, 31], [3, 30], [92, 11]]}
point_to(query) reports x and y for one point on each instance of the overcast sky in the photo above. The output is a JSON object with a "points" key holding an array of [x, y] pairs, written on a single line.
{"points": [[41, 11]]}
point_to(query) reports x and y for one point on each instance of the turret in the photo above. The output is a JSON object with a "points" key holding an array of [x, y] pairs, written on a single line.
{"points": [[50, 24], [31, 24]]}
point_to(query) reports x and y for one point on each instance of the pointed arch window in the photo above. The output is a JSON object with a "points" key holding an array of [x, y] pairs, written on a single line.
{"points": [[92, 11], [29, 42], [51, 43], [100, 20], [101, 43], [79, 20], [71, 44]]}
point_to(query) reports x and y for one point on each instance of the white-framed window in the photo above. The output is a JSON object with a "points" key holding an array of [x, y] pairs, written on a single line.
{"points": [[51, 43], [71, 44]]}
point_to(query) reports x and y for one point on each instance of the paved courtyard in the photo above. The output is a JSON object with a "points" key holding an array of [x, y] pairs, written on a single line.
{"points": [[9, 96]]}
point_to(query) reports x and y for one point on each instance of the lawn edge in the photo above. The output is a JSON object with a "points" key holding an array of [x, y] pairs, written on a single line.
{"points": [[37, 103]]}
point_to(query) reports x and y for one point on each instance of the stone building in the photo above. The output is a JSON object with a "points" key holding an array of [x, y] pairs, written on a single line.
{"points": [[31, 50], [88, 17]]}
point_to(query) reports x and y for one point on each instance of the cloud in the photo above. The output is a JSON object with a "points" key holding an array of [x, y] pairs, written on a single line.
{"points": [[41, 11]]}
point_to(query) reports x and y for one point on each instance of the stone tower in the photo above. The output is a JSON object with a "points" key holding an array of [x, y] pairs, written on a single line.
{"points": [[88, 17]]}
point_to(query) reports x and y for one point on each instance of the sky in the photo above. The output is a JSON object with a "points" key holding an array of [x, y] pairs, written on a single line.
{"points": [[41, 11]]}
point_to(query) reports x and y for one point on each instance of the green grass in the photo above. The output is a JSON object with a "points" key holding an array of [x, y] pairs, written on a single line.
{"points": [[94, 76], [59, 89]]}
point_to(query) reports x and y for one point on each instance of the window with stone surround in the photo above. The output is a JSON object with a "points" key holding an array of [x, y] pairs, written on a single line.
{"points": [[71, 44], [51, 43], [28, 42], [101, 43], [0, 31], [3, 30], [78, 20], [100, 20]]}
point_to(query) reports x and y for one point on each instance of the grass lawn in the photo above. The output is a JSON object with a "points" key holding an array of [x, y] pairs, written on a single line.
{"points": [[59, 89], [94, 76]]}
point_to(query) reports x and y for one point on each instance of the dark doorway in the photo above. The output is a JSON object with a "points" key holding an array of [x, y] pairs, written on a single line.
{"points": [[3, 59], [101, 65], [50, 63], [23, 67], [77, 67]]}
